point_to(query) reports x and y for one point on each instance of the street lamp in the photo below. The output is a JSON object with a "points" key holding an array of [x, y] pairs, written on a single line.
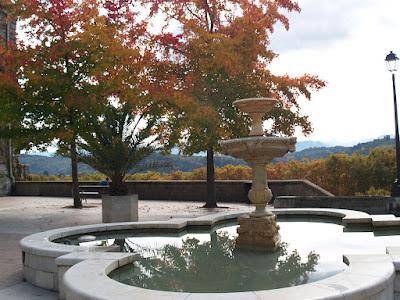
{"points": [[392, 63]]}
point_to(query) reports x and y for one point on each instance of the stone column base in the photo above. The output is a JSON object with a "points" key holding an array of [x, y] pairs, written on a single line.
{"points": [[258, 233]]}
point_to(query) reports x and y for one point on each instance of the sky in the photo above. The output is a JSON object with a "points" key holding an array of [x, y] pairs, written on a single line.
{"points": [[345, 43]]}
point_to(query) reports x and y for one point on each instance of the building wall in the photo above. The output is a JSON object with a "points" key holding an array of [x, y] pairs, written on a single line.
{"points": [[7, 34], [5, 182], [7, 28]]}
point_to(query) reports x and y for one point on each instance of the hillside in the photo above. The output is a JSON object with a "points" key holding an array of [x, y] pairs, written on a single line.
{"points": [[58, 165], [51, 165], [324, 152]]}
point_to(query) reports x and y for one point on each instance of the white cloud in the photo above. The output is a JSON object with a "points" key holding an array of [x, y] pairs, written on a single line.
{"points": [[346, 48], [320, 23]]}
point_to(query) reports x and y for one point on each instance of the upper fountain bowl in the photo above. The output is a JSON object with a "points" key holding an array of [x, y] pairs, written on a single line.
{"points": [[258, 148], [255, 105]]}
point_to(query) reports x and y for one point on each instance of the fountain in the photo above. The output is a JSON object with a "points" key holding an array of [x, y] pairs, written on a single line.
{"points": [[202, 257], [259, 229]]}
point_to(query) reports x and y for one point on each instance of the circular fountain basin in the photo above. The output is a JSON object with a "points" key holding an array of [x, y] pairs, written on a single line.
{"points": [[198, 261], [79, 271]]}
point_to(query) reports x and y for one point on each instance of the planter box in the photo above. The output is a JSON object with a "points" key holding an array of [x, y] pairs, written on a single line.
{"points": [[120, 208]]}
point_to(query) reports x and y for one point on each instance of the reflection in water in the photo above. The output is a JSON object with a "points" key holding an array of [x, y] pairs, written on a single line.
{"points": [[214, 266], [326, 239]]}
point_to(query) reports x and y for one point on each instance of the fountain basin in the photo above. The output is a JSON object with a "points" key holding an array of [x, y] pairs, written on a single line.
{"points": [[202, 261], [255, 105], [81, 261], [362, 280], [258, 148]]}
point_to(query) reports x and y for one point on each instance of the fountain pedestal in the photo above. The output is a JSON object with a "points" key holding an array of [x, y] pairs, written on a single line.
{"points": [[258, 233], [259, 230]]}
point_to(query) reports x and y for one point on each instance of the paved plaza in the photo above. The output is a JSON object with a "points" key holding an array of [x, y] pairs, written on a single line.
{"points": [[21, 216]]}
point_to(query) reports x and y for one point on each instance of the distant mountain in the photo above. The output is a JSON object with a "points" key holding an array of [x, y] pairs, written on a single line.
{"points": [[324, 152], [51, 165], [58, 165], [301, 145], [309, 144]]}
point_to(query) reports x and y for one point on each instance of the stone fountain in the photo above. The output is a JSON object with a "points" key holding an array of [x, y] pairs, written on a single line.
{"points": [[258, 230]]}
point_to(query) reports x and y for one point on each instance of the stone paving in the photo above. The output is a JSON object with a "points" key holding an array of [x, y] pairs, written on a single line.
{"points": [[21, 216]]}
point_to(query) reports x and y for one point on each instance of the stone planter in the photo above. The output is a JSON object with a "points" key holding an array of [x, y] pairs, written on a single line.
{"points": [[120, 208]]}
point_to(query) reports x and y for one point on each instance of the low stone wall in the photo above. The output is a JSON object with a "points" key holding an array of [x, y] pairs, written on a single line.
{"points": [[179, 190], [226, 191], [368, 204]]}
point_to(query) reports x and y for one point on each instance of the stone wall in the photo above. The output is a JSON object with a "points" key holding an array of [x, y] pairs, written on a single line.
{"points": [[227, 190], [368, 204]]}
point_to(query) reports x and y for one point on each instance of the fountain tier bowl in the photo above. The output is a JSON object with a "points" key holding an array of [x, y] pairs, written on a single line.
{"points": [[255, 105], [258, 148]]}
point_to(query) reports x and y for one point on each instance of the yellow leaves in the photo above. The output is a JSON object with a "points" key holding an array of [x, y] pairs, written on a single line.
{"points": [[228, 172]]}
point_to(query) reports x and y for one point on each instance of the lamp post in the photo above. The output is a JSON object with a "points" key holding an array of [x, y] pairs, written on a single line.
{"points": [[392, 63]]}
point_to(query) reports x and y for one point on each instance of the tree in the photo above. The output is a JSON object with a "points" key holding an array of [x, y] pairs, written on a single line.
{"points": [[118, 139], [218, 52], [78, 55]]}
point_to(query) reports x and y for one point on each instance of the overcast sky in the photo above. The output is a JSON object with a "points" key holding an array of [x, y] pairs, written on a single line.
{"points": [[345, 43]]}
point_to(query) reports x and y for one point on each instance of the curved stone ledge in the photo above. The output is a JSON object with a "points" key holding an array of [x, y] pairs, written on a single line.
{"points": [[39, 252], [368, 277]]}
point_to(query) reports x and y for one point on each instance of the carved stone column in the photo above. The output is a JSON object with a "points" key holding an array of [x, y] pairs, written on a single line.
{"points": [[260, 195], [259, 230]]}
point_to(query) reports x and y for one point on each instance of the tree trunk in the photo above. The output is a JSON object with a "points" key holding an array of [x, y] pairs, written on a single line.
{"points": [[75, 182], [211, 195], [118, 186]]}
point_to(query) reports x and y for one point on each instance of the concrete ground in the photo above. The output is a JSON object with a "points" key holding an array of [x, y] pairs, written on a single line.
{"points": [[21, 216]]}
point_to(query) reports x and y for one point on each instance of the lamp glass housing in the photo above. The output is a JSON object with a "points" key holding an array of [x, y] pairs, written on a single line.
{"points": [[392, 62]]}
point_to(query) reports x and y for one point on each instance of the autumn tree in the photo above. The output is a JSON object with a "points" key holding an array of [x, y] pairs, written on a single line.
{"points": [[77, 55], [219, 53]]}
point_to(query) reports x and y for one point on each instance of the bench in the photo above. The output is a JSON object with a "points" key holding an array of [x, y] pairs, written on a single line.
{"points": [[92, 191], [84, 195]]}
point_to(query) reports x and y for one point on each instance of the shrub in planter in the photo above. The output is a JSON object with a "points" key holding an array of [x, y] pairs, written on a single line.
{"points": [[117, 140]]}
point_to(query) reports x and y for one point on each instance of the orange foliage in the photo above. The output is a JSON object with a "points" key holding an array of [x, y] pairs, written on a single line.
{"points": [[218, 52]]}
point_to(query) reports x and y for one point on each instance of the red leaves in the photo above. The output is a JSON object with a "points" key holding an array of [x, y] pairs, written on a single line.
{"points": [[61, 12], [118, 10], [168, 42], [170, 39]]}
